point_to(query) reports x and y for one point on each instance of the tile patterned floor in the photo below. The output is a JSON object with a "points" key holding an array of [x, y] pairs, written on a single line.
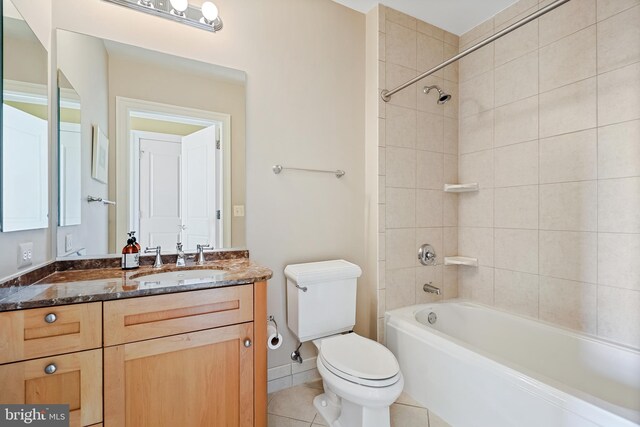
{"points": [[293, 407]]}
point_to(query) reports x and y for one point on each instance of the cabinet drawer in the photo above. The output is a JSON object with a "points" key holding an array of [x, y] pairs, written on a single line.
{"points": [[40, 332], [143, 318], [76, 381]]}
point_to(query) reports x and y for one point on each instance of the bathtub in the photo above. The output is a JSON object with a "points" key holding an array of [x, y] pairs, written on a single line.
{"points": [[477, 366]]}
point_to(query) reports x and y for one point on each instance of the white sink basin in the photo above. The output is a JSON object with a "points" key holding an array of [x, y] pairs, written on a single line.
{"points": [[188, 277]]}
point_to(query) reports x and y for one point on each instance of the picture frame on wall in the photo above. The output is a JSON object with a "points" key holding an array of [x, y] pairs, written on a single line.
{"points": [[100, 158]]}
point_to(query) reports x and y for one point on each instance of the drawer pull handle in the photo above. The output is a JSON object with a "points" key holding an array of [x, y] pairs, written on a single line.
{"points": [[50, 369], [50, 318], [247, 343]]}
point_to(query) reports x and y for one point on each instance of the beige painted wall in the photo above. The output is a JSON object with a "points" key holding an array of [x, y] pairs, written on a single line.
{"points": [[305, 107], [549, 127]]}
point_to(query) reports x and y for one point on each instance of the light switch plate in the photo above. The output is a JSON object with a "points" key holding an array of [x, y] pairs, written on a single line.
{"points": [[238, 210], [25, 254], [68, 242]]}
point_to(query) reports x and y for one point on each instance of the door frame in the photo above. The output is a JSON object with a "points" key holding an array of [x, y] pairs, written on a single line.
{"points": [[125, 107]]}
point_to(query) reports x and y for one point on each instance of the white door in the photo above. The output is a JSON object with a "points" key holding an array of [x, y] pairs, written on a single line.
{"points": [[160, 191], [25, 185], [200, 189]]}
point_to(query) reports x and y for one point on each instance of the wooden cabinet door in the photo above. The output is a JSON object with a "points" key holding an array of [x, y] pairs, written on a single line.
{"points": [[77, 381], [198, 379]]}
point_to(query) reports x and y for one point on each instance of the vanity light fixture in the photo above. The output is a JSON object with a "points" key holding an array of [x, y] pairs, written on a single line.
{"points": [[205, 18]]}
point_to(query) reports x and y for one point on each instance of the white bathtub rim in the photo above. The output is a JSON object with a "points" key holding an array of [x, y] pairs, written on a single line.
{"points": [[564, 396]]}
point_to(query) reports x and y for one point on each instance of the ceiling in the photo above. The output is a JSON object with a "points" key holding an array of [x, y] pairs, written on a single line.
{"points": [[455, 16]]}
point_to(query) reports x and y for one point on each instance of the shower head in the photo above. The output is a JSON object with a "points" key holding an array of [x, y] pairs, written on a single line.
{"points": [[442, 97]]}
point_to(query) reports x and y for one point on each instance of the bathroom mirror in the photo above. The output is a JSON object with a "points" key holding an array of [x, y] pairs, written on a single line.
{"points": [[162, 149], [69, 162], [25, 131]]}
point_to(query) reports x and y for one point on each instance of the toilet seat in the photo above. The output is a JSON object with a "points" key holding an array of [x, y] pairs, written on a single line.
{"points": [[359, 360]]}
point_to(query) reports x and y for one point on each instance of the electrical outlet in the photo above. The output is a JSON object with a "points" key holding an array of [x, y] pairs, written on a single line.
{"points": [[238, 210], [68, 242], [25, 254]]}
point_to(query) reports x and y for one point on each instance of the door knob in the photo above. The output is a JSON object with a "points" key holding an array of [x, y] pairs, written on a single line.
{"points": [[247, 343]]}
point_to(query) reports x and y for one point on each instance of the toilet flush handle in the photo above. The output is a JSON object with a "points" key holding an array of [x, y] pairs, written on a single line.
{"points": [[302, 288]]}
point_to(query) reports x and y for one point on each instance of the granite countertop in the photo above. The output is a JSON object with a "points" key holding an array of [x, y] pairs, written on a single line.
{"points": [[103, 284]]}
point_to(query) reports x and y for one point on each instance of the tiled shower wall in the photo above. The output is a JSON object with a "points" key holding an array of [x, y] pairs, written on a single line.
{"points": [[549, 127], [418, 146]]}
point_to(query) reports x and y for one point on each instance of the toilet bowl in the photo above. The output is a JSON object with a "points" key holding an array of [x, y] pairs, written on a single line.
{"points": [[361, 380]]}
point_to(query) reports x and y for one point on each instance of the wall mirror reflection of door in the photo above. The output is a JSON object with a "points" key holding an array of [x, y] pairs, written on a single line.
{"points": [[177, 174]]}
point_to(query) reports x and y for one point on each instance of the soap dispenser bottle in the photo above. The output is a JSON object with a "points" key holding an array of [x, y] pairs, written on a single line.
{"points": [[130, 254]]}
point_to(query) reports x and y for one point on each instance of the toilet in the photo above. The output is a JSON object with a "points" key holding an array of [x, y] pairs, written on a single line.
{"points": [[361, 377]]}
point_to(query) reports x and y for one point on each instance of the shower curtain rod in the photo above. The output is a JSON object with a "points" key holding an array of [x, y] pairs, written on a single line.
{"points": [[386, 94]]}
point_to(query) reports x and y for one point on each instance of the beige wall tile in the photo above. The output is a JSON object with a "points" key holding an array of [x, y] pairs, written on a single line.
{"points": [[450, 210], [396, 75], [569, 206], [568, 60], [619, 95], [568, 303], [567, 19], [476, 94], [430, 30], [450, 135], [451, 39], [382, 187], [514, 45], [476, 63], [452, 71], [428, 103], [476, 32], [568, 109], [382, 274], [477, 283], [450, 169], [382, 250], [516, 292], [450, 281], [569, 157], [619, 150], [516, 207], [401, 167], [400, 127], [430, 54], [400, 249], [398, 17], [381, 218], [619, 205], [428, 274], [476, 242], [401, 208], [381, 46], [476, 132], [476, 209], [619, 40], [429, 209], [618, 256], [430, 134], [449, 241], [513, 11], [400, 290], [400, 45], [382, 75], [516, 122], [516, 250], [451, 107], [382, 130], [517, 79], [619, 315], [516, 164], [382, 19], [607, 8], [382, 160], [476, 167], [568, 255], [382, 306], [430, 170]]}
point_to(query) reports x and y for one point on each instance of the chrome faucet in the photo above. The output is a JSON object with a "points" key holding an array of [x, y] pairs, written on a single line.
{"points": [[431, 289], [158, 262], [180, 260], [200, 253]]}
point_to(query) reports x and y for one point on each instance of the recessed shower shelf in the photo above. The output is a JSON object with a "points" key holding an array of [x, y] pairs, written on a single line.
{"points": [[461, 188], [461, 260]]}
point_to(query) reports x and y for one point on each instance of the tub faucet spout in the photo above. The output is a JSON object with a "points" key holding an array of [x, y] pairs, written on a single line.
{"points": [[431, 289]]}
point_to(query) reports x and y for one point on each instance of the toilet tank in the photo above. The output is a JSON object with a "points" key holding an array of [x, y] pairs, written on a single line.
{"points": [[328, 306]]}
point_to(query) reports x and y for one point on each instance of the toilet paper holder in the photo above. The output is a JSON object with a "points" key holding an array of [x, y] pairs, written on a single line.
{"points": [[273, 320]]}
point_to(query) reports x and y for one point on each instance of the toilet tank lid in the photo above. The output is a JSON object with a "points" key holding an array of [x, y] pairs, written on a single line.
{"points": [[323, 271]]}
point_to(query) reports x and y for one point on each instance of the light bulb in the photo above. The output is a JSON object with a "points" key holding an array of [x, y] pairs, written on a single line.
{"points": [[179, 5], [209, 11]]}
